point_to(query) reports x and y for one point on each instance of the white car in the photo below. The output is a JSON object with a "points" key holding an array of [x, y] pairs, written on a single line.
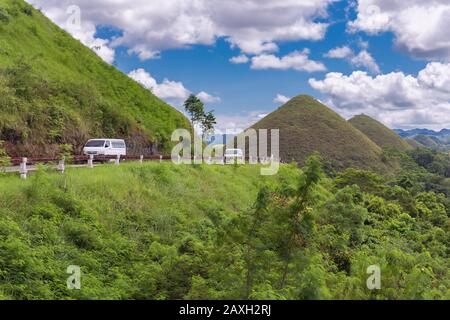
{"points": [[234, 155], [105, 147]]}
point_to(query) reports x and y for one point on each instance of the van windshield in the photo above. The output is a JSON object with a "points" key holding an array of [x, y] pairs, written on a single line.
{"points": [[95, 143]]}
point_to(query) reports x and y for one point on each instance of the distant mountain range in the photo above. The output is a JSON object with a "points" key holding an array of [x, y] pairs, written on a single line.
{"points": [[425, 132], [438, 140], [219, 139]]}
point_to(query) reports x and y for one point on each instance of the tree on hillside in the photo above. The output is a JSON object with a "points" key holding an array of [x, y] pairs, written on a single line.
{"points": [[208, 122], [299, 217], [195, 108]]}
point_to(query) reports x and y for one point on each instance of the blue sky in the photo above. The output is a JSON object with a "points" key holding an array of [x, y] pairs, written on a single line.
{"points": [[392, 63]]}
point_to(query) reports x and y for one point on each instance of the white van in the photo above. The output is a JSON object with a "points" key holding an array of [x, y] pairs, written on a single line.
{"points": [[234, 155], [105, 147]]}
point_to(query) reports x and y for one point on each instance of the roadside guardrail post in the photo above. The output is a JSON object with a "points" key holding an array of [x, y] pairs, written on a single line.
{"points": [[141, 159], [23, 169], [91, 161], [117, 162], [61, 165]]}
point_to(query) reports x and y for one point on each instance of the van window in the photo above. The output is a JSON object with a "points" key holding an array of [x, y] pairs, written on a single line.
{"points": [[233, 151], [118, 145], [95, 143]]}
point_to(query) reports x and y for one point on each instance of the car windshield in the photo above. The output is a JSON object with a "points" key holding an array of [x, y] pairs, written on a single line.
{"points": [[95, 143]]}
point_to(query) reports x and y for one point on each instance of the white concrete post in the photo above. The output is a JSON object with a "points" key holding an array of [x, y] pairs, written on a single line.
{"points": [[160, 159], [91, 161], [23, 169], [141, 159], [61, 165], [117, 161]]}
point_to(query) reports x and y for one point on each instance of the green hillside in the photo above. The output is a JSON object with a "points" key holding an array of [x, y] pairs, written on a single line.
{"points": [[307, 126], [162, 231], [427, 141], [379, 133], [54, 90], [413, 143]]}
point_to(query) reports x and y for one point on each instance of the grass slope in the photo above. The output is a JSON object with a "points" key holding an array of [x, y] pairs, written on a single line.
{"points": [[379, 133], [54, 90], [111, 221], [427, 141], [413, 143], [162, 231], [307, 126]]}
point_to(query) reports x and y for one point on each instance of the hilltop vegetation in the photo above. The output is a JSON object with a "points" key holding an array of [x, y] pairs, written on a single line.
{"points": [[54, 91], [379, 133], [161, 231], [307, 126]]}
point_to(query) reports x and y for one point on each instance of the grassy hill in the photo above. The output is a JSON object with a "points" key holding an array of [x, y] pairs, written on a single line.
{"points": [[54, 90], [307, 126], [427, 141], [163, 231], [379, 133], [413, 143]]}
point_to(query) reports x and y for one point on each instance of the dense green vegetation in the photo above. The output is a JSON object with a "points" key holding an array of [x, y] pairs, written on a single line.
{"points": [[379, 133], [161, 231], [54, 90], [307, 126]]}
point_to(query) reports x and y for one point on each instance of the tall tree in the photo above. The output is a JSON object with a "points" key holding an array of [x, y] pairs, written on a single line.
{"points": [[195, 108], [207, 122]]}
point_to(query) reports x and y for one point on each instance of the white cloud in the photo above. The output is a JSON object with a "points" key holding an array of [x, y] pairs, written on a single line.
{"points": [[297, 60], [169, 90], [419, 26], [149, 27], [235, 124], [207, 98], [281, 99], [172, 92], [339, 53], [240, 59], [436, 76], [398, 100], [365, 59]]}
